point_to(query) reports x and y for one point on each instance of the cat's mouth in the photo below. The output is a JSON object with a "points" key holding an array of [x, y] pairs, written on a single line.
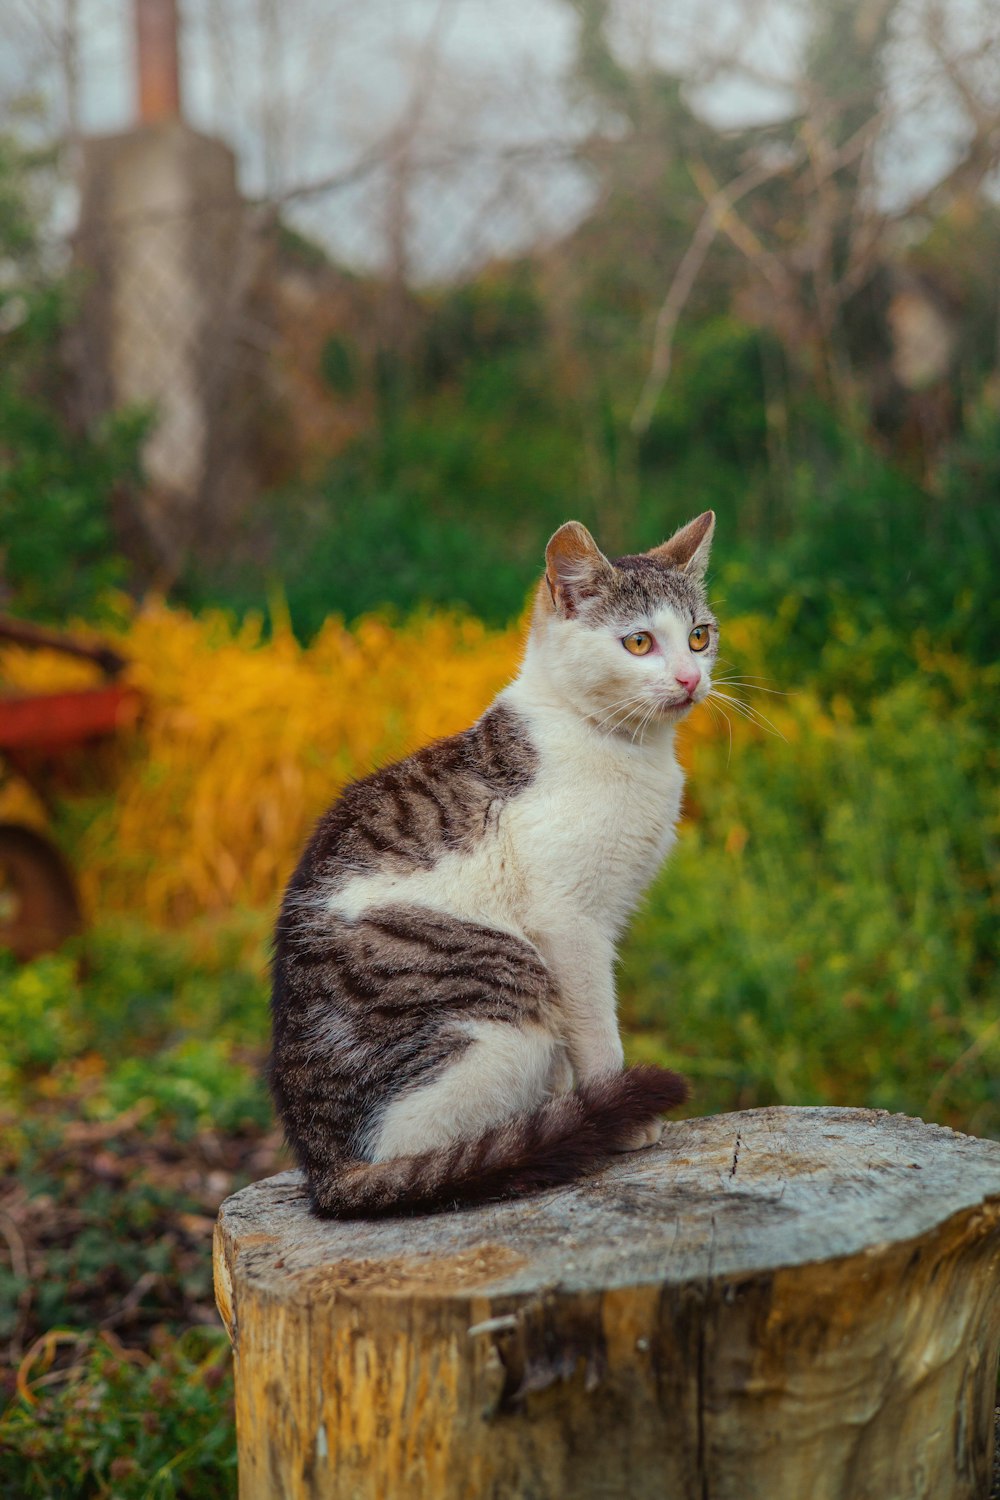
{"points": [[662, 709], [675, 708]]}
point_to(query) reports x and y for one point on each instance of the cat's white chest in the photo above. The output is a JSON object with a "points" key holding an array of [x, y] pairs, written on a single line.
{"points": [[597, 823], [582, 841]]}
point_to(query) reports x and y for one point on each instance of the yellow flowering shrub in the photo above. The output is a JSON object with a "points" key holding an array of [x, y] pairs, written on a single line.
{"points": [[246, 737]]}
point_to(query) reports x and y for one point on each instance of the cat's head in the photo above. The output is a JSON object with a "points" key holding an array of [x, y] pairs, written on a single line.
{"points": [[629, 641]]}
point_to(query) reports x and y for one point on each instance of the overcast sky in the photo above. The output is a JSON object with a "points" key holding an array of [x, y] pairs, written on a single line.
{"points": [[304, 88]]}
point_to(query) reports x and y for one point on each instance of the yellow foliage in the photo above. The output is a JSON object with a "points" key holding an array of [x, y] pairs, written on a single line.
{"points": [[246, 739]]}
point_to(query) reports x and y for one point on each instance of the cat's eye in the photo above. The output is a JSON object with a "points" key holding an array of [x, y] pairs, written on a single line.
{"points": [[699, 638], [640, 642]]}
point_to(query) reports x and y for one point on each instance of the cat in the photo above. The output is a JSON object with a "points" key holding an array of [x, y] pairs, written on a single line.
{"points": [[444, 1025]]}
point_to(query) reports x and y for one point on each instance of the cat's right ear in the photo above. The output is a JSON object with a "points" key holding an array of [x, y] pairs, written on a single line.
{"points": [[574, 567], [689, 547]]}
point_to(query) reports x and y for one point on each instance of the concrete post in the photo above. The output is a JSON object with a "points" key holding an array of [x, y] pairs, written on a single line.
{"points": [[168, 254]]}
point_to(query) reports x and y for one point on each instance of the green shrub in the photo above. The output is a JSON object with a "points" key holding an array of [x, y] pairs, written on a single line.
{"points": [[476, 322], [118, 1423], [868, 559], [145, 988], [57, 551], [354, 548], [175, 1023], [130, 987], [824, 931], [714, 405], [39, 1015], [198, 1084]]}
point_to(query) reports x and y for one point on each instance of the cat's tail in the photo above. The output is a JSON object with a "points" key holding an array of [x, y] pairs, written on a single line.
{"points": [[556, 1143]]}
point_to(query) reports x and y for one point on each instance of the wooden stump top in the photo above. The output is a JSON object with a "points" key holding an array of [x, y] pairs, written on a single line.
{"points": [[719, 1197]]}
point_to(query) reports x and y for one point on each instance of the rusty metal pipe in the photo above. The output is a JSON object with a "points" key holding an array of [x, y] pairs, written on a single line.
{"points": [[157, 32]]}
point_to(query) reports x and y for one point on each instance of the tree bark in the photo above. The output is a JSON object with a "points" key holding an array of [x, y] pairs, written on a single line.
{"points": [[772, 1305]]}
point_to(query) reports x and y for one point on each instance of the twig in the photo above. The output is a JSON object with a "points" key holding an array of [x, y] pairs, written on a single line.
{"points": [[20, 1267], [742, 236], [131, 1300], [680, 288], [43, 1351], [15, 1244], [971, 1053]]}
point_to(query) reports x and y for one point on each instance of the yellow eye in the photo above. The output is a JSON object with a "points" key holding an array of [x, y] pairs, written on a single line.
{"points": [[639, 642], [699, 638]]}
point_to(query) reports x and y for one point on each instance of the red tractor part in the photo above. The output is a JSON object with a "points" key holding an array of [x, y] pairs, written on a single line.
{"points": [[41, 735]]}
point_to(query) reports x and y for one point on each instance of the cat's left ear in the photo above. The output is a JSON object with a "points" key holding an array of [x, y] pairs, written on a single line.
{"points": [[688, 548], [574, 567]]}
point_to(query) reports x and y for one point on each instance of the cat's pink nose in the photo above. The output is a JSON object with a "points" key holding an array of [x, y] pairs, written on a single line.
{"points": [[689, 678]]}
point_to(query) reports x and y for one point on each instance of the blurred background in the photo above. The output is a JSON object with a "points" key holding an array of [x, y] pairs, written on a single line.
{"points": [[315, 320]]}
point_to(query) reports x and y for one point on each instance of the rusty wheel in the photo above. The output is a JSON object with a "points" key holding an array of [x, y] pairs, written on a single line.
{"points": [[39, 906]]}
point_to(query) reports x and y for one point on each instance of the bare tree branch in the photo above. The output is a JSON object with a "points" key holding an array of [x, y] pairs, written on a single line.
{"points": [[714, 216]]}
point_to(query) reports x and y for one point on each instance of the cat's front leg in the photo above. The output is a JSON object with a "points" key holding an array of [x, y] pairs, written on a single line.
{"points": [[581, 960]]}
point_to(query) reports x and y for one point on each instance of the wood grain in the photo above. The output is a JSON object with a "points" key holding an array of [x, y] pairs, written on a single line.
{"points": [[799, 1303]]}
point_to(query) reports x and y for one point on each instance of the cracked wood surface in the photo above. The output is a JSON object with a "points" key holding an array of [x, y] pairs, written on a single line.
{"points": [[781, 1302]]}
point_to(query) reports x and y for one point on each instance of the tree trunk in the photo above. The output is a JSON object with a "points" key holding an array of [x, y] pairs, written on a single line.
{"points": [[783, 1304]]}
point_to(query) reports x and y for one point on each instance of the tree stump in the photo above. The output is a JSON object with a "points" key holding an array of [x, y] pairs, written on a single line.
{"points": [[783, 1304]]}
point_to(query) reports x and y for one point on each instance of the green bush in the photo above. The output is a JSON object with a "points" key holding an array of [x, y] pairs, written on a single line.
{"points": [[714, 406], [347, 550], [198, 1084], [478, 322], [869, 561], [144, 989], [117, 1423], [58, 556], [170, 1018], [824, 932], [39, 1015], [56, 491], [131, 1100], [490, 436]]}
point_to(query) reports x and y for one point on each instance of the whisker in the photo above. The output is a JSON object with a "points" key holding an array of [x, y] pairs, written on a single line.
{"points": [[651, 716], [727, 661], [619, 712], [748, 676], [619, 725], [641, 726], [716, 710], [752, 687], [611, 708], [749, 708], [738, 708], [752, 714]]}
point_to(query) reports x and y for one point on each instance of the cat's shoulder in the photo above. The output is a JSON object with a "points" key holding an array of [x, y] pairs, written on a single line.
{"points": [[503, 749], [429, 800], [497, 751]]}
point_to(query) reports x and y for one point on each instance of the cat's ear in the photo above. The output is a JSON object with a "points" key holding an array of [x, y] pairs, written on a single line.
{"points": [[688, 548], [574, 567]]}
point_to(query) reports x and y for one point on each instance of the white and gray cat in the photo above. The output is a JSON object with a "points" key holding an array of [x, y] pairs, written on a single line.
{"points": [[444, 1026]]}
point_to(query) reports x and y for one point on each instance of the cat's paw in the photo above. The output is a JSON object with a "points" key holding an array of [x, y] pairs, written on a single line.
{"points": [[642, 1136]]}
